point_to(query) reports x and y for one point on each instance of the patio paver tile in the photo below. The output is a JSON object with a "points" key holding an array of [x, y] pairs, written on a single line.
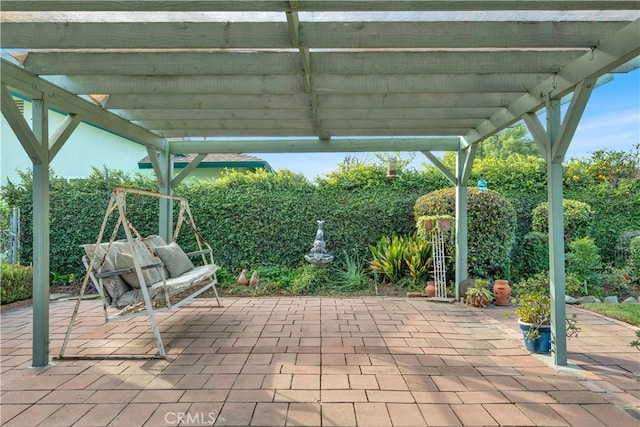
{"points": [[100, 415], [165, 414], [338, 414], [8, 411], [134, 414], [473, 415], [372, 414], [542, 414], [509, 414], [576, 415], [305, 382], [33, 415], [390, 396], [439, 415], [334, 382], [158, 396], [611, 416], [304, 414], [405, 415], [23, 396], [270, 414]]}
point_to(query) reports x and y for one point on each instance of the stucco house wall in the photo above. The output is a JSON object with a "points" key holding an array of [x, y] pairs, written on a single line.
{"points": [[88, 146]]}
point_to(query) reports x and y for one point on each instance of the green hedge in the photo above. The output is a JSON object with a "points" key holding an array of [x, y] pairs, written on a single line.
{"points": [[251, 220], [17, 283], [271, 218], [491, 229]]}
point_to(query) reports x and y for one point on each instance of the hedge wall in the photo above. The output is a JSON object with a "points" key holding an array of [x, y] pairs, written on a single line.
{"points": [[271, 218], [249, 219]]}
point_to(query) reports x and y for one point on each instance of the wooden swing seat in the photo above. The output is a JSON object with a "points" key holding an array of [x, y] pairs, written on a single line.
{"points": [[143, 275]]}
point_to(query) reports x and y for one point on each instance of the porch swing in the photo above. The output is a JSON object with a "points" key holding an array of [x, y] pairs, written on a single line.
{"points": [[143, 275]]}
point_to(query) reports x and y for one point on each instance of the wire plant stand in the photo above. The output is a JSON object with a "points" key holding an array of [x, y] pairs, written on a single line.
{"points": [[438, 238]]}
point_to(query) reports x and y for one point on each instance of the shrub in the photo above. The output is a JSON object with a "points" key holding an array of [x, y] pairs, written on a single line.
{"points": [[17, 283], [536, 284], [577, 218], [617, 209], [583, 260], [491, 229], [350, 274], [311, 280], [623, 247], [532, 255], [620, 282], [634, 258]]}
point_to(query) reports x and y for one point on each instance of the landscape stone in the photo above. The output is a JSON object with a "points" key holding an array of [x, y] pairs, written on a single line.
{"points": [[612, 299], [588, 299], [570, 300], [630, 300]]}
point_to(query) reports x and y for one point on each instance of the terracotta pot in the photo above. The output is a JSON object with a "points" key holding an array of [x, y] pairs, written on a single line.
{"points": [[430, 289], [502, 292]]}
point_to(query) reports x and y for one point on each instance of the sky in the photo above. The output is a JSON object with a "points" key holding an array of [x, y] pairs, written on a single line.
{"points": [[610, 121]]}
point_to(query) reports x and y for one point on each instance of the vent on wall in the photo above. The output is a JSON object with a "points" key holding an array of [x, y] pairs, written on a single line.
{"points": [[20, 105]]}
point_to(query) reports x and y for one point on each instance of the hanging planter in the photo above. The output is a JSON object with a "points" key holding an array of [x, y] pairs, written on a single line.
{"points": [[430, 223], [444, 224]]}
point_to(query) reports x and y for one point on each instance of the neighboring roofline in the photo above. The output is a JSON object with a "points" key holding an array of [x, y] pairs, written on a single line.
{"points": [[216, 165]]}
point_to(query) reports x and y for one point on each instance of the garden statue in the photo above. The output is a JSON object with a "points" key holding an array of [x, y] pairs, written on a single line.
{"points": [[318, 254]]}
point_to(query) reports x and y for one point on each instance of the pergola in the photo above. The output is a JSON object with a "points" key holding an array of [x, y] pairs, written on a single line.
{"points": [[199, 77]]}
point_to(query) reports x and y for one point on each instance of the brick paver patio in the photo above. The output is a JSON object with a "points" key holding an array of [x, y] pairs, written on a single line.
{"points": [[370, 361]]}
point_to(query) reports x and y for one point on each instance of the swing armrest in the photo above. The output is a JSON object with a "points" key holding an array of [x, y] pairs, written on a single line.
{"points": [[127, 270], [195, 253]]}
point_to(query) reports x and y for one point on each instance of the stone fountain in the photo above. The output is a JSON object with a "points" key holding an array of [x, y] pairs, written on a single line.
{"points": [[318, 254]]}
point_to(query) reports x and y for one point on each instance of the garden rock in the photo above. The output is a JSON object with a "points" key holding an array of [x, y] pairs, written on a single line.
{"points": [[611, 300], [588, 299], [630, 300], [570, 300]]}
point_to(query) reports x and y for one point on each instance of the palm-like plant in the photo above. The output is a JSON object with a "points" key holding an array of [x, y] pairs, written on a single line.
{"points": [[388, 256], [418, 259]]}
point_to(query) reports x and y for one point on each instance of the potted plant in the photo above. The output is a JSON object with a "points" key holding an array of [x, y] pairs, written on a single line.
{"points": [[534, 314], [534, 317], [479, 295]]}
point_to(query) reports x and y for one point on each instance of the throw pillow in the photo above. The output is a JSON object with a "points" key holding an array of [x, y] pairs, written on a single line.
{"points": [[123, 261], [174, 258]]}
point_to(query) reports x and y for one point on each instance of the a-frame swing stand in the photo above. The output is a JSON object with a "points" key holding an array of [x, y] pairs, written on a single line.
{"points": [[169, 295]]}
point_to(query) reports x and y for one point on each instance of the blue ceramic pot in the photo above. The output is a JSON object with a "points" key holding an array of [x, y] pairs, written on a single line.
{"points": [[538, 345]]}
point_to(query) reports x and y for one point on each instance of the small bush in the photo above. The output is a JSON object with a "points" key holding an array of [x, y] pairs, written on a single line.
{"points": [[17, 283], [311, 280], [577, 217], [583, 260], [351, 275], [619, 281], [537, 284], [579, 288], [634, 258], [532, 256], [623, 247]]}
